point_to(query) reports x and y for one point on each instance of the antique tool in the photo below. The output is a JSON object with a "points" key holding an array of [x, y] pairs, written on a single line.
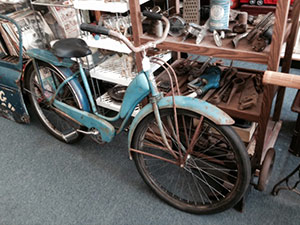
{"points": [[259, 44], [217, 97], [197, 31], [217, 38], [249, 95], [238, 83], [195, 72], [177, 26], [260, 27], [264, 39], [241, 26], [207, 81], [235, 41]]}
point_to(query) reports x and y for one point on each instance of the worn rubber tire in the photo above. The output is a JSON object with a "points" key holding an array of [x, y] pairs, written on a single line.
{"points": [[240, 153]]}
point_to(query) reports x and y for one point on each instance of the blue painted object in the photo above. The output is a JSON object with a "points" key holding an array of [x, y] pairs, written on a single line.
{"points": [[209, 80], [49, 57], [135, 93], [89, 120], [142, 85], [183, 102], [12, 104], [219, 14]]}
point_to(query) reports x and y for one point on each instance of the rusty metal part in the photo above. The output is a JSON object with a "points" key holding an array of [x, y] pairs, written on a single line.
{"points": [[243, 18], [156, 111], [259, 44], [237, 39], [217, 97], [249, 95], [238, 83], [161, 62], [289, 182], [195, 138], [154, 156], [258, 82], [230, 35], [239, 28], [196, 72], [259, 28]]}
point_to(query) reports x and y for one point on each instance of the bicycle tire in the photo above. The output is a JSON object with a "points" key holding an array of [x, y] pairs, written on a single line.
{"points": [[220, 187], [56, 124]]}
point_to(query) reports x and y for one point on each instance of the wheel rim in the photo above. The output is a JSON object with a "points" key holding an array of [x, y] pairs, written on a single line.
{"points": [[210, 176], [57, 124]]}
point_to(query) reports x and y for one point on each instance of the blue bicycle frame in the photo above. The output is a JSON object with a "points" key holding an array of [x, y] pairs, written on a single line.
{"points": [[141, 86]]}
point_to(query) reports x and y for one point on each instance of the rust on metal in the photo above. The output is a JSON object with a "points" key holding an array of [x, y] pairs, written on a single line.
{"points": [[154, 156]]}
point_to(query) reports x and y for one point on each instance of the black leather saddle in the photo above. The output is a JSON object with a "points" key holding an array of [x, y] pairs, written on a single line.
{"points": [[71, 47]]}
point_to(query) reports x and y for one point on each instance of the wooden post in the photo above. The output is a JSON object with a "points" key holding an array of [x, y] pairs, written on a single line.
{"points": [[287, 60], [279, 29], [137, 30]]}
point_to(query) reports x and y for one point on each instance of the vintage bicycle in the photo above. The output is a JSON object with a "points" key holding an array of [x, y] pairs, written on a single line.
{"points": [[184, 148]]}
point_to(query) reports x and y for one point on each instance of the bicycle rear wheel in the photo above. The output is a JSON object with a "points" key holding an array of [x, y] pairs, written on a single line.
{"points": [[41, 90], [214, 177]]}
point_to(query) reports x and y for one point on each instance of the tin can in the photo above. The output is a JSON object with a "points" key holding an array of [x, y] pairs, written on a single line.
{"points": [[219, 14]]}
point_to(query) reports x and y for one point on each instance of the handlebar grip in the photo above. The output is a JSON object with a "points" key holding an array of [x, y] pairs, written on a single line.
{"points": [[152, 15], [94, 29]]}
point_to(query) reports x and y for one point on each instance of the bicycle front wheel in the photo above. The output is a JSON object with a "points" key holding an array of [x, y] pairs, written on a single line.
{"points": [[41, 89], [214, 177]]}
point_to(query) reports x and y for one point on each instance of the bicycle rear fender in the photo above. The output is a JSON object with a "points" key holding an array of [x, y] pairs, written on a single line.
{"points": [[63, 67], [49, 57], [201, 107]]}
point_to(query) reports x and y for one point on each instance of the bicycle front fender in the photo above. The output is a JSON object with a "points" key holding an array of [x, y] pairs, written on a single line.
{"points": [[201, 107]]}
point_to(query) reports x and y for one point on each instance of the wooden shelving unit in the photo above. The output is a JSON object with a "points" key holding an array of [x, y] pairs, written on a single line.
{"points": [[208, 48], [268, 129]]}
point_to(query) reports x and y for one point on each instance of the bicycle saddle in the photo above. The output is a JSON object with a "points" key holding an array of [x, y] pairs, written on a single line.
{"points": [[71, 47]]}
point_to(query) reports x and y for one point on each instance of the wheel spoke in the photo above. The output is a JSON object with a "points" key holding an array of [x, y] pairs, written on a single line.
{"points": [[210, 176]]}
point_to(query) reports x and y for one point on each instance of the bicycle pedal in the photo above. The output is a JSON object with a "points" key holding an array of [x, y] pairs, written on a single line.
{"points": [[70, 136]]}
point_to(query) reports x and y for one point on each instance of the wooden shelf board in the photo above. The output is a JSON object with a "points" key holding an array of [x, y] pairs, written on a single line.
{"points": [[208, 48]]}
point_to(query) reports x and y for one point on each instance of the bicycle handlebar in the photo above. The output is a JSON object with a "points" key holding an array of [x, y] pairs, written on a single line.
{"points": [[281, 79], [94, 29], [152, 15], [103, 30]]}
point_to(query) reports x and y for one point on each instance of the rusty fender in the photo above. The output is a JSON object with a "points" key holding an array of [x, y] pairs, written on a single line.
{"points": [[183, 102]]}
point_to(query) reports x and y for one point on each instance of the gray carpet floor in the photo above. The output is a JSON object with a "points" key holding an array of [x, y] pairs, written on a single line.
{"points": [[44, 181]]}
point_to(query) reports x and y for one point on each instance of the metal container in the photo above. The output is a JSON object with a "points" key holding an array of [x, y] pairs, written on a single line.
{"points": [[219, 14]]}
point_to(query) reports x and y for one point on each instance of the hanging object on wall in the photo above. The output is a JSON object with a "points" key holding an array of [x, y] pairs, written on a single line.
{"points": [[191, 11], [219, 14]]}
